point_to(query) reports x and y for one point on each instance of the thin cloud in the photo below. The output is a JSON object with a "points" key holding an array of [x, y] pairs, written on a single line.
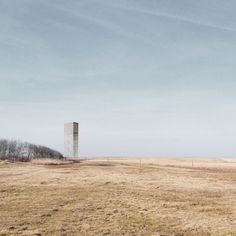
{"points": [[177, 18]]}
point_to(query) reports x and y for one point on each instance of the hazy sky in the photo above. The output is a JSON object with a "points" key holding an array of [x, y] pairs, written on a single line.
{"points": [[146, 78]]}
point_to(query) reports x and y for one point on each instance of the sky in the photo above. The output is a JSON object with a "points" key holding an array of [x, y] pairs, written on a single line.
{"points": [[143, 78]]}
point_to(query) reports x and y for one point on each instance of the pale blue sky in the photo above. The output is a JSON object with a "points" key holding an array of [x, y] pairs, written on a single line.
{"points": [[146, 78]]}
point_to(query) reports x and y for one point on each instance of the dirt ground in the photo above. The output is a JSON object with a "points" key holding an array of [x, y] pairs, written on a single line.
{"points": [[119, 197]]}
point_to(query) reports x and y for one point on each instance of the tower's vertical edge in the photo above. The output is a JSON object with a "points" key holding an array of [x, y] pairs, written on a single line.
{"points": [[76, 139]]}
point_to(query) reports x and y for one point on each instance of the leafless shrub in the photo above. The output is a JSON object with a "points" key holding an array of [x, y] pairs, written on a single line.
{"points": [[13, 150]]}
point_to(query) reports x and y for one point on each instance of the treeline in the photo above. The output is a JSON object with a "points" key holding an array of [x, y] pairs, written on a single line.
{"points": [[15, 150]]}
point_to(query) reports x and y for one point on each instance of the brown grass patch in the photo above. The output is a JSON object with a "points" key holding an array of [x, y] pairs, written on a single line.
{"points": [[117, 197]]}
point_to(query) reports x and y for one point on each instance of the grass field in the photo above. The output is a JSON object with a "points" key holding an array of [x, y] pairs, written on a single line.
{"points": [[119, 197]]}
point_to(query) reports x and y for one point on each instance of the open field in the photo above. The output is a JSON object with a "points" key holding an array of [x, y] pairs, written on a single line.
{"points": [[119, 197]]}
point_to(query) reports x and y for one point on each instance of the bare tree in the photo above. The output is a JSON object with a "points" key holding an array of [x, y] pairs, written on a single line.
{"points": [[3, 148]]}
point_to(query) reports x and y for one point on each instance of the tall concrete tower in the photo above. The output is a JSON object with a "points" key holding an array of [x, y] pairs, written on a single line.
{"points": [[71, 139]]}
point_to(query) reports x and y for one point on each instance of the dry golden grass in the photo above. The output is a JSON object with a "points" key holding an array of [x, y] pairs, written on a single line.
{"points": [[118, 197]]}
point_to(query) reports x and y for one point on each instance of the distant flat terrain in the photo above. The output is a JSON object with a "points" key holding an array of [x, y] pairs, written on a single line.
{"points": [[119, 197]]}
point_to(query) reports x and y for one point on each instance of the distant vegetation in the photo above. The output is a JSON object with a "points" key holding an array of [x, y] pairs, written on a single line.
{"points": [[21, 151]]}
